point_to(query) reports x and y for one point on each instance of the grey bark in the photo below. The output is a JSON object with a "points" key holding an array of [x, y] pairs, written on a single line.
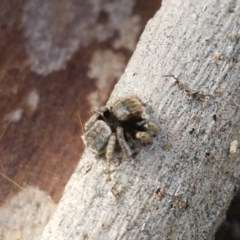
{"points": [[180, 186]]}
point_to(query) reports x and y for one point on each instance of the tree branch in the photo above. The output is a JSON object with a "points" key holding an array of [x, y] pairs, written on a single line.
{"points": [[180, 186]]}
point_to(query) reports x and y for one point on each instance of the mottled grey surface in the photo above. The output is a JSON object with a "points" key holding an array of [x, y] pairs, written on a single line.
{"points": [[54, 31], [189, 162]]}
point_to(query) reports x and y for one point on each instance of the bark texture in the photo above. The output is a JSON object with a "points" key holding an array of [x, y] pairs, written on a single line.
{"points": [[180, 186]]}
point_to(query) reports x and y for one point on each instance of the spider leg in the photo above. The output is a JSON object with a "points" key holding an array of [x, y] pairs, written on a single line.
{"points": [[127, 153], [144, 137], [91, 121], [149, 126], [109, 153], [98, 111], [97, 137]]}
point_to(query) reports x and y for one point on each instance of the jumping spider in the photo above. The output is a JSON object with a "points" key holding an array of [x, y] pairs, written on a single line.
{"points": [[116, 125]]}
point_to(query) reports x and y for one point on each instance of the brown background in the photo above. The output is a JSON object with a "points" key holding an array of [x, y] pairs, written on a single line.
{"points": [[42, 146]]}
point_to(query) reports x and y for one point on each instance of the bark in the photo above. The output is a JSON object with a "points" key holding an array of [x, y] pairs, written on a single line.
{"points": [[180, 186]]}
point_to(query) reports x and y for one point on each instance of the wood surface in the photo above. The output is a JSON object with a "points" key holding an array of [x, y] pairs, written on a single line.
{"points": [[186, 69]]}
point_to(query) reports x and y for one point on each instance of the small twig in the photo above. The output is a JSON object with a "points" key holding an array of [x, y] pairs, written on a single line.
{"points": [[81, 124], [5, 128], [12, 181], [180, 85], [8, 178], [237, 105], [193, 93]]}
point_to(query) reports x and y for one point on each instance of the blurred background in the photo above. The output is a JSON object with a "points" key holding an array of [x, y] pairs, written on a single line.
{"points": [[57, 59]]}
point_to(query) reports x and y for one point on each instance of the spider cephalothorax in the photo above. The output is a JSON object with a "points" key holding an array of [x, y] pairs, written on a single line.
{"points": [[125, 119]]}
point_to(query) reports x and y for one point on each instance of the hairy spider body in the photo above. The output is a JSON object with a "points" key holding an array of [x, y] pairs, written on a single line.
{"points": [[125, 119], [98, 137], [129, 108]]}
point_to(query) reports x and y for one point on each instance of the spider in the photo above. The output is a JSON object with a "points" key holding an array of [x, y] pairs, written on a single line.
{"points": [[108, 127]]}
